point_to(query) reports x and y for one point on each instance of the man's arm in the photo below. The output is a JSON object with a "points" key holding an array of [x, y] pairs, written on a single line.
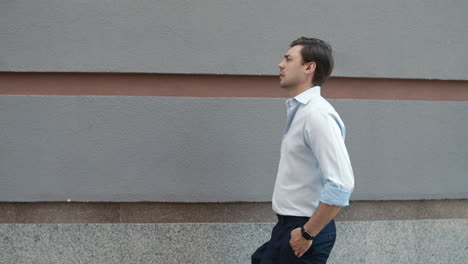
{"points": [[321, 217]]}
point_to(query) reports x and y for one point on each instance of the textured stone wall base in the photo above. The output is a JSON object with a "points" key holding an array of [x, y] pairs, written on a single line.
{"points": [[404, 241]]}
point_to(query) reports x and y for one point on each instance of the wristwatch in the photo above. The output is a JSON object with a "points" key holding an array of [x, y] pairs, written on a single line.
{"points": [[306, 234]]}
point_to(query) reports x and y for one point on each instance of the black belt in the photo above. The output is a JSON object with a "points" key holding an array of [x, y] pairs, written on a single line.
{"points": [[286, 219]]}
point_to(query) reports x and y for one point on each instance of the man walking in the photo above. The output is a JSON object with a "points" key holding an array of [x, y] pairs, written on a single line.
{"points": [[315, 178]]}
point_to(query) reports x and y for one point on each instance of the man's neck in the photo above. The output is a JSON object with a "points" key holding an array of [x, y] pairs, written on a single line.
{"points": [[298, 90]]}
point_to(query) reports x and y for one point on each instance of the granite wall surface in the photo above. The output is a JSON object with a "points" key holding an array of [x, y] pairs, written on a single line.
{"points": [[406, 241]]}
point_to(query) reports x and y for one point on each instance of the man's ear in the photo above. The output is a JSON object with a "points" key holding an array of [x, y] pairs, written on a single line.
{"points": [[311, 67]]}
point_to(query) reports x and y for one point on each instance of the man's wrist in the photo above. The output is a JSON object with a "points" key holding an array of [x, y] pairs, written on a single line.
{"points": [[306, 235]]}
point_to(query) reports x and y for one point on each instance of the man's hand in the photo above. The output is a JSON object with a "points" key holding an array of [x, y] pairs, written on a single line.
{"points": [[299, 244]]}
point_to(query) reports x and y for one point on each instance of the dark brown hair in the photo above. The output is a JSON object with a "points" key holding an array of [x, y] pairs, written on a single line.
{"points": [[318, 51]]}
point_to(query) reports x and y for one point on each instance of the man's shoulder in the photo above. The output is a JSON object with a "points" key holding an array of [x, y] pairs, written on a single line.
{"points": [[320, 112], [319, 106]]}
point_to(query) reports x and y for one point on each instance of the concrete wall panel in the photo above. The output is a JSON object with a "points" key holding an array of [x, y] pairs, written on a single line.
{"points": [[393, 39], [111, 148]]}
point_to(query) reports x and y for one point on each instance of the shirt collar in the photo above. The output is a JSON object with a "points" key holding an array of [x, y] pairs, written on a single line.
{"points": [[305, 96]]}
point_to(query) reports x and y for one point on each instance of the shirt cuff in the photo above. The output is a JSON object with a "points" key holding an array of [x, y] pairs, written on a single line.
{"points": [[334, 195]]}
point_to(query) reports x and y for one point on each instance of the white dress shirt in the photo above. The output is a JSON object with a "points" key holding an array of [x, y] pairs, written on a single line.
{"points": [[314, 165]]}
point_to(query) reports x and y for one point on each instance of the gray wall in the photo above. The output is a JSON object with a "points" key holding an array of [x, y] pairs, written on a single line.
{"points": [[396, 39], [109, 148]]}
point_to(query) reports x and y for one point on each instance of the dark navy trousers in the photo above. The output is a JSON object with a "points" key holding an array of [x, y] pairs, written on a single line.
{"points": [[279, 251]]}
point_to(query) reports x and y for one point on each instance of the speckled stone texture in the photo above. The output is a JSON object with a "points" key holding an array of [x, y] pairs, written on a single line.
{"points": [[411, 241]]}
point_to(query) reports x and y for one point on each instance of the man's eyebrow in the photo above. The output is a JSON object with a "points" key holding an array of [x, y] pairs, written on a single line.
{"points": [[287, 56]]}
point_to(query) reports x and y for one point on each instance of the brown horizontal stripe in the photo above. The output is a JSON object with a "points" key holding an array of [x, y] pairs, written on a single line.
{"points": [[185, 85], [152, 212]]}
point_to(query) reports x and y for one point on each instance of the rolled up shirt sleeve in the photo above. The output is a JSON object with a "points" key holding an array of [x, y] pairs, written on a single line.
{"points": [[325, 133]]}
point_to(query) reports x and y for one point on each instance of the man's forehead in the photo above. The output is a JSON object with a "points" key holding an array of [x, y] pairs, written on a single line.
{"points": [[294, 51]]}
